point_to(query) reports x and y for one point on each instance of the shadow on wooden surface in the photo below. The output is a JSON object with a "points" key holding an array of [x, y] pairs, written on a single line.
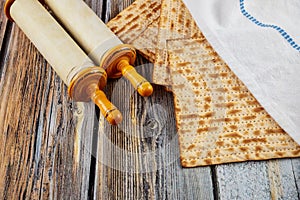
{"points": [[51, 147]]}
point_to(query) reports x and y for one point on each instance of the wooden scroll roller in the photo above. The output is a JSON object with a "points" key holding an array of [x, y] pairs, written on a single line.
{"points": [[99, 42], [72, 65]]}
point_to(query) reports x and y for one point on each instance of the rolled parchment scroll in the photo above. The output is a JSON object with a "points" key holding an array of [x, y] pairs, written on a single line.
{"points": [[99, 42], [74, 67]]}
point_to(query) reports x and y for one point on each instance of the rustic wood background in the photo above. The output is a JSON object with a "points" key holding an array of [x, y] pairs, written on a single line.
{"points": [[51, 147]]}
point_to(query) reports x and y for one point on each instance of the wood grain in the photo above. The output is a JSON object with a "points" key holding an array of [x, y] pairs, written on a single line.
{"points": [[296, 172], [45, 138], [53, 148]]}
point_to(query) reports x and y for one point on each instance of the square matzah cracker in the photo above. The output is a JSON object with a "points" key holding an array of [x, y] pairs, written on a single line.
{"points": [[175, 22], [218, 119]]}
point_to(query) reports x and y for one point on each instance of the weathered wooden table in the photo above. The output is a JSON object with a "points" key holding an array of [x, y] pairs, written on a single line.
{"points": [[51, 147]]}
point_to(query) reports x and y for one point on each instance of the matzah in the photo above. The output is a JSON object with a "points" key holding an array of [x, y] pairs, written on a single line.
{"points": [[218, 119]]}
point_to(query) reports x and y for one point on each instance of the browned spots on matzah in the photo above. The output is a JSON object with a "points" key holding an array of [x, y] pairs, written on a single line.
{"points": [[241, 96], [191, 147], [233, 127], [234, 112], [252, 117], [142, 6], [272, 131], [255, 140], [244, 149], [233, 135], [296, 152], [128, 16], [219, 143], [206, 161], [258, 109]]}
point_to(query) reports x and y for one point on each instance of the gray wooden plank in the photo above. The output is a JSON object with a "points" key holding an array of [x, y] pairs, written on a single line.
{"points": [[247, 180], [296, 171], [45, 138], [197, 184], [273, 179], [283, 183]]}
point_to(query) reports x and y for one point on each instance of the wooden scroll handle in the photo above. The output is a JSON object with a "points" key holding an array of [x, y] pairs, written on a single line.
{"points": [[118, 61], [109, 111], [87, 85], [143, 87]]}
